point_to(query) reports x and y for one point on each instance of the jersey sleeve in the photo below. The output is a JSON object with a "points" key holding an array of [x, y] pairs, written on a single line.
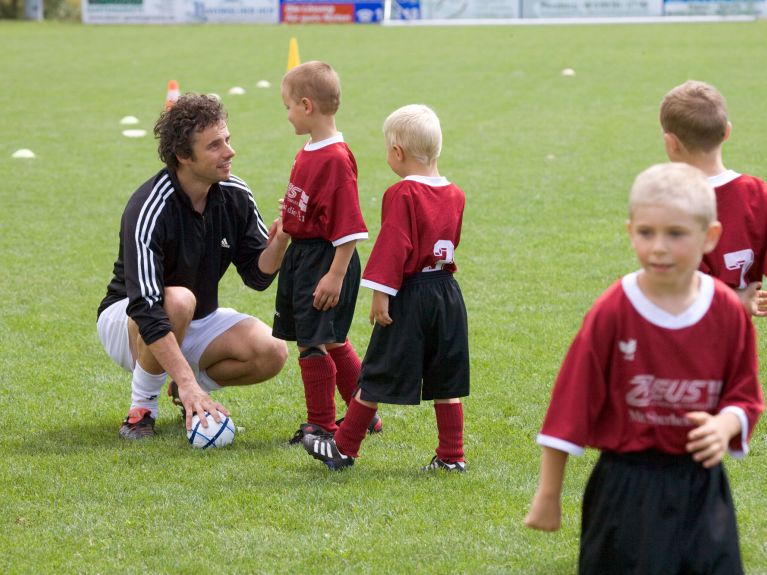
{"points": [[386, 265], [742, 394], [580, 390], [346, 223], [253, 242], [143, 231]]}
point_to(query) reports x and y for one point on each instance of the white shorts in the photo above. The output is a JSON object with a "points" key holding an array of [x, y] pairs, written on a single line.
{"points": [[112, 327]]}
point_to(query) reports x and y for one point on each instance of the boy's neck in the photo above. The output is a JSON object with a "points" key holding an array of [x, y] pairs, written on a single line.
{"points": [[323, 128], [674, 299], [411, 167], [710, 163]]}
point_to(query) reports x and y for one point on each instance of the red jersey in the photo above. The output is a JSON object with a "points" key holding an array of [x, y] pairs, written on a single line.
{"points": [[420, 230], [634, 371], [321, 200], [741, 203]]}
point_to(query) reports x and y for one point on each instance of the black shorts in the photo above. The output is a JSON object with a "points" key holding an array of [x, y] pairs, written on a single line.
{"points": [[652, 513], [295, 318], [424, 352]]}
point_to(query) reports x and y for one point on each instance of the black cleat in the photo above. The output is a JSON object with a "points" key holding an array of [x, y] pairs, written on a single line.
{"points": [[326, 450], [138, 425], [306, 429], [437, 463]]}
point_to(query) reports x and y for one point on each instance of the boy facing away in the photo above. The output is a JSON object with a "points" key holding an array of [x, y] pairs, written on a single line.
{"points": [[695, 126], [662, 379], [320, 275], [419, 346]]}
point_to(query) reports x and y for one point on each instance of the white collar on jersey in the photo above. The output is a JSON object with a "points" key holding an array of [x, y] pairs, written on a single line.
{"points": [[433, 181], [662, 318], [312, 146], [724, 178]]}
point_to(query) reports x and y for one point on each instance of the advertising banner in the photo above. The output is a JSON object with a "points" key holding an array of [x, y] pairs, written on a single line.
{"points": [[328, 12], [588, 8], [179, 11], [714, 8]]}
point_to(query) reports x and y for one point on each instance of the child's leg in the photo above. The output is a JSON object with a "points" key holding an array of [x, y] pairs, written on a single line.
{"points": [[449, 429], [355, 425], [348, 367], [318, 372]]}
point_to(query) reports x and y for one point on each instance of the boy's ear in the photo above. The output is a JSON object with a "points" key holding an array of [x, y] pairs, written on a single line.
{"points": [[307, 104], [399, 152], [727, 132], [672, 144], [713, 233]]}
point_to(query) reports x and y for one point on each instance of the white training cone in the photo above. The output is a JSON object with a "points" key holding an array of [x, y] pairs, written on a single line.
{"points": [[23, 153], [129, 121], [236, 91], [134, 133], [568, 72], [263, 84]]}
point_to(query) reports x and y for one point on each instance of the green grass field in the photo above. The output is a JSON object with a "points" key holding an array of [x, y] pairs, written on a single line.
{"points": [[546, 162]]}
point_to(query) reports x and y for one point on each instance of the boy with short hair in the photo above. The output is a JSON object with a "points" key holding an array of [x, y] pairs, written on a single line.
{"points": [[319, 279], [419, 346], [662, 378], [695, 126]]}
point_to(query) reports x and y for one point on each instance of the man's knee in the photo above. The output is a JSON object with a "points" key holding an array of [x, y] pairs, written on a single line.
{"points": [[276, 356], [179, 304]]}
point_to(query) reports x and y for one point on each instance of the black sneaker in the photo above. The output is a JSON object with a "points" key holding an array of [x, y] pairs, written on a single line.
{"points": [[325, 449], [376, 426], [138, 425], [174, 397], [306, 429], [437, 463]]}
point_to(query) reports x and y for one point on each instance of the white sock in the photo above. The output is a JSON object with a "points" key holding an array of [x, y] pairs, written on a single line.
{"points": [[145, 389], [206, 382]]}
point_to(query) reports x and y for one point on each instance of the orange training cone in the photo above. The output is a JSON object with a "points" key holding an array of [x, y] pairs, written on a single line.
{"points": [[293, 58], [172, 94]]}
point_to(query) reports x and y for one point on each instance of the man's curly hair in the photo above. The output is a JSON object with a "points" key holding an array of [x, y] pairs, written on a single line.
{"points": [[176, 127]]}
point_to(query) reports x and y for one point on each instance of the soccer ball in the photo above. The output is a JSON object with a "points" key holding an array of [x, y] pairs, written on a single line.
{"points": [[215, 435]]}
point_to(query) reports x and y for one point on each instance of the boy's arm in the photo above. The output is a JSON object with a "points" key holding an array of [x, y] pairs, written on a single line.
{"points": [[546, 511], [379, 309], [329, 287]]}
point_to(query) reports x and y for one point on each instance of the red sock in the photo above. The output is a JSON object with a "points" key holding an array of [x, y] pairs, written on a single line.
{"points": [[450, 431], [348, 367], [319, 375], [354, 428]]}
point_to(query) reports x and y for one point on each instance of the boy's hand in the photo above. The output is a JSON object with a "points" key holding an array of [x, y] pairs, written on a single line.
{"points": [[275, 232], [708, 441], [753, 299], [327, 292], [379, 309], [545, 513]]}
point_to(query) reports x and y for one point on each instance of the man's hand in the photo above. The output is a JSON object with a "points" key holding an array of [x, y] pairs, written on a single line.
{"points": [[195, 400]]}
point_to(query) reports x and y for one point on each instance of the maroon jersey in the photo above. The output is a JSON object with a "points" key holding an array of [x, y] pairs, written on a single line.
{"points": [[741, 203], [420, 230], [634, 371], [321, 200]]}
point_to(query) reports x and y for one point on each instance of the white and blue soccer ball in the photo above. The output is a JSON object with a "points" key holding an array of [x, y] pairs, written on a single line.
{"points": [[215, 435]]}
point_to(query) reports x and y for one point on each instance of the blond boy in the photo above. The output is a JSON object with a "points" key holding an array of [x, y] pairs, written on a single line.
{"points": [[419, 347], [662, 379]]}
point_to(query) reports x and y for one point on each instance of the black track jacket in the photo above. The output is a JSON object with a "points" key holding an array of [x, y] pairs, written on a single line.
{"points": [[164, 242]]}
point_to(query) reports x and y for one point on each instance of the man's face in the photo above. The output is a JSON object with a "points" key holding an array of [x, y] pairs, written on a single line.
{"points": [[211, 159]]}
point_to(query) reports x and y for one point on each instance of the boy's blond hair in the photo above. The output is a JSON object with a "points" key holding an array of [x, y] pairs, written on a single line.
{"points": [[677, 185], [416, 129], [696, 113], [317, 81]]}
